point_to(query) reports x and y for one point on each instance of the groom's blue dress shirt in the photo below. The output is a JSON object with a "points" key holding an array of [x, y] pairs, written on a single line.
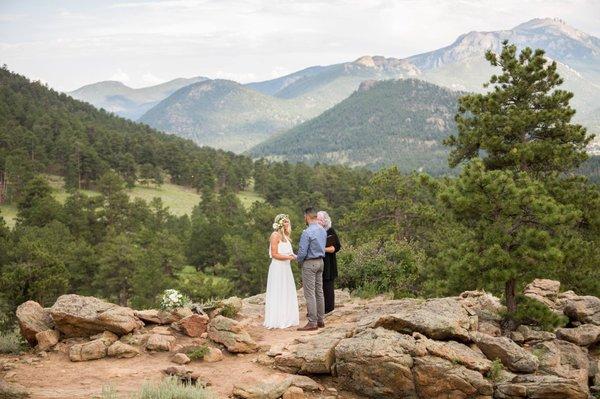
{"points": [[312, 243]]}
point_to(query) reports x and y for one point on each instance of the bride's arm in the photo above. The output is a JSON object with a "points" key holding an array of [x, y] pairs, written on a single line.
{"points": [[275, 238]]}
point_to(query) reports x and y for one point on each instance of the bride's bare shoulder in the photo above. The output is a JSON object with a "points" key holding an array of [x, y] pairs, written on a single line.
{"points": [[275, 236]]}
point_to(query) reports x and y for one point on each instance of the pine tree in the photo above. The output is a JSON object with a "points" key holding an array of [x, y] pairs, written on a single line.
{"points": [[524, 123]]}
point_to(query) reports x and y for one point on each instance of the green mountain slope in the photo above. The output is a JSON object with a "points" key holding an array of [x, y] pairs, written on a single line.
{"points": [[401, 122], [128, 102], [225, 114]]}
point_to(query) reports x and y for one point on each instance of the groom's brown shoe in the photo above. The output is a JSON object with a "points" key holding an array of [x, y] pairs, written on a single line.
{"points": [[308, 327], [320, 324]]}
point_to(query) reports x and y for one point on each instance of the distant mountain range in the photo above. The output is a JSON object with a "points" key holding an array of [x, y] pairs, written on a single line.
{"points": [[124, 101], [392, 122], [238, 117]]}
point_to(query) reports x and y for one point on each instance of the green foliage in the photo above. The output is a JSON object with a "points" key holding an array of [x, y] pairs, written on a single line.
{"points": [[396, 122], [200, 286], [372, 268], [11, 342], [168, 388], [229, 310], [198, 352], [495, 372], [534, 313], [524, 123]]}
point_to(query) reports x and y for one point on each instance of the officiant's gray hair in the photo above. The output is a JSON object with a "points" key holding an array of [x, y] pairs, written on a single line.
{"points": [[324, 219]]}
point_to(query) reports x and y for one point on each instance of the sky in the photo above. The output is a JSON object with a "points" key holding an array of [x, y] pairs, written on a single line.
{"points": [[70, 43]]}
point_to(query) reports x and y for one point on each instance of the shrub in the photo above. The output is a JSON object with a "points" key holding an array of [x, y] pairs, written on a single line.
{"points": [[534, 313], [11, 342], [229, 310], [201, 286], [495, 370], [172, 388], [198, 352], [372, 268]]}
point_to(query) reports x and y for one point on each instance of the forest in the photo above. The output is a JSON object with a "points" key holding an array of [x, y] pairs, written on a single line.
{"points": [[517, 208]]}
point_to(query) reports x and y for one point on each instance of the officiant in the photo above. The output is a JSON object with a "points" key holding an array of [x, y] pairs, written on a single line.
{"points": [[330, 271]]}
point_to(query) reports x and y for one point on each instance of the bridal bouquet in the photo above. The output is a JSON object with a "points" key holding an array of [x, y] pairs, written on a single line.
{"points": [[172, 299]]}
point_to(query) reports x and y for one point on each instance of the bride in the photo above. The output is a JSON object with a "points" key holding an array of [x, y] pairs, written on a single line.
{"points": [[281, 305]]}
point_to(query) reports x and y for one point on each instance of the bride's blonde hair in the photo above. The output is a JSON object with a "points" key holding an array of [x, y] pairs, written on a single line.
{"points": [[279, 226]]}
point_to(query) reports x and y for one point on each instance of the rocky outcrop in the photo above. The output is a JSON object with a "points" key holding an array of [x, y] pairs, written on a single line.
{"points": [[544, 291], [275, 387], [92, 350], [81, 316], [584, 309], [510, 354], [47, 339], [231, 334], [162, 316], [194, 325], [33, 319], [159, 342], [312, 354], [584, 335], [540, 387], [376, 363], [438, 378], [439, 318], [121, 350]]}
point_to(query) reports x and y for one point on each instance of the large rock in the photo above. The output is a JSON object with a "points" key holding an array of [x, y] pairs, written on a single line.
{"points": [[439, 318], [231, 334], [583, 335], [544, 291], [47, 339], [312, 354], [510, 354], [458, 353], [96, 349], [159, 342], [486, 306], [376, 363], [122, 350], [33, 318], [12, 391], [162, 316], [439, 378], [272, 387], [564, 359], [213, 355], [526, 334], [584, 309], [540, 387], [81, 316], [194, 325]]}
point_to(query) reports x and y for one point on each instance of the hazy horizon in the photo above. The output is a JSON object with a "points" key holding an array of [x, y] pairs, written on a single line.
{"points": [[69, 44]]}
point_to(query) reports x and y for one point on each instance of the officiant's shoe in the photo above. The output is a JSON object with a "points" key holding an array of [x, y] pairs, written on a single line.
{"points": [[308, 327], [320, 324]]}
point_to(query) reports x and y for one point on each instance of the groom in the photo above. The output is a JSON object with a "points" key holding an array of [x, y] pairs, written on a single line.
{"points": [[311, 252]]}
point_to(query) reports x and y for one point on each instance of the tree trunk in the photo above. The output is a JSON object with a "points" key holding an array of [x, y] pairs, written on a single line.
{"points": [[509, 323]]}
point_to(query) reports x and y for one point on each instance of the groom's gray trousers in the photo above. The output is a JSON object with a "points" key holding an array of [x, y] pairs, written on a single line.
{"points": [[312, 283]]}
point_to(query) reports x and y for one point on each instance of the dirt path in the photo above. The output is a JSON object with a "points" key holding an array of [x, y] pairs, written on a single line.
{"points": [[57, 377]]}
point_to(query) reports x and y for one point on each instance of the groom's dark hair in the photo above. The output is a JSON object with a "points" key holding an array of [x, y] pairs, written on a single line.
{"points": [[310, 211]]}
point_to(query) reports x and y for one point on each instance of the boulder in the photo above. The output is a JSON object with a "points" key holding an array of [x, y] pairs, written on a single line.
{"points": [[459, 353], [96, 349], [12, 391], [33, 318], [180, 358], [231, 334], [213, 355], [563, 359], [439, 378], [272, 387], [482, 304], [584, 309], [544, 291], [159, 342], [439, 318], [157, 316], [526, 334], [313, 354], [81, 316], [294, 393], [194, 325], [121, 350], [510, 354], [540, 387], [235, 302], [583, 335], [376, 363], [47, 339]]}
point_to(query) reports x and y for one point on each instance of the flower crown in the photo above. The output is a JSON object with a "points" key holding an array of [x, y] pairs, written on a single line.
{"points": [[279, 219]]}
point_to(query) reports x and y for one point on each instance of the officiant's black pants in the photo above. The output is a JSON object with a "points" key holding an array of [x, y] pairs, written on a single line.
{"points": [[329, 294]]}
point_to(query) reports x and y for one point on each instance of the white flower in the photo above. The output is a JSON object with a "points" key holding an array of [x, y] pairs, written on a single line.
{"points": [[275, 226]]}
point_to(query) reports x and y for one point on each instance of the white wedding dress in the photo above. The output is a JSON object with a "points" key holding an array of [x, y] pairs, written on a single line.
{"points": [[281, 303]]}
